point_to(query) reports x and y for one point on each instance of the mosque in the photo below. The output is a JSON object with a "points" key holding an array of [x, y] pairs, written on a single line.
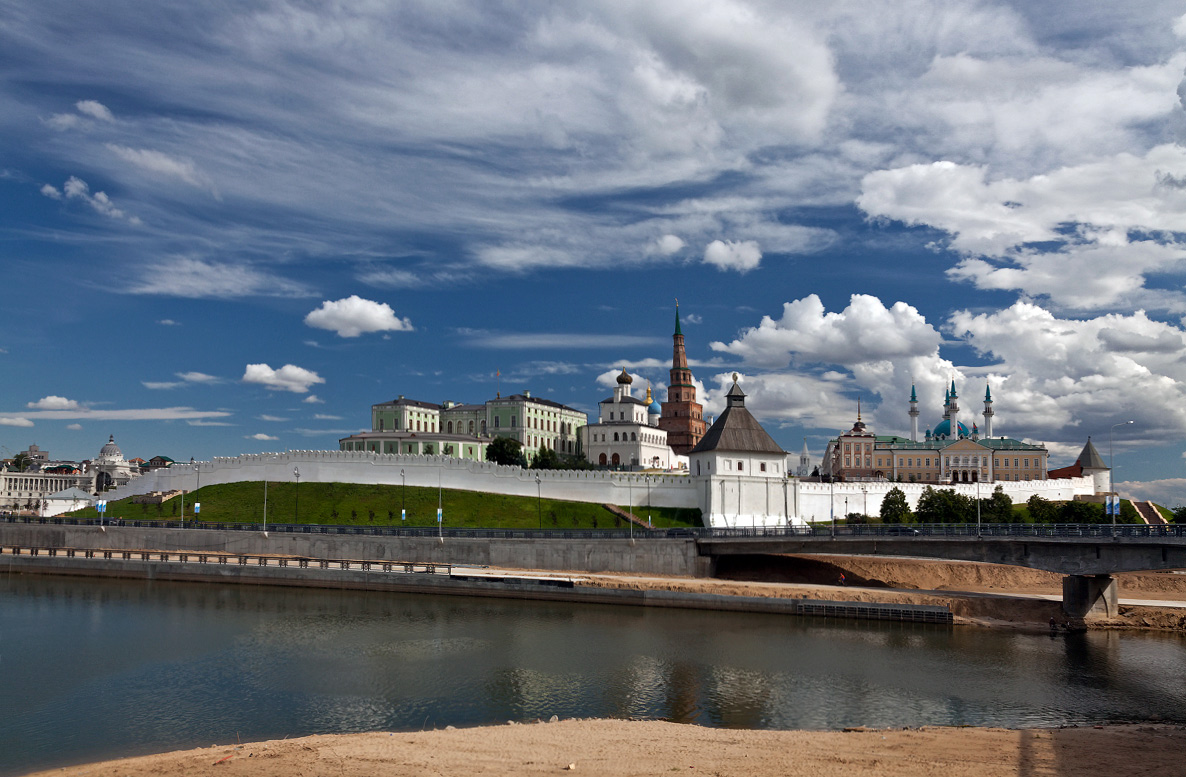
{"points": [[949, 453]]}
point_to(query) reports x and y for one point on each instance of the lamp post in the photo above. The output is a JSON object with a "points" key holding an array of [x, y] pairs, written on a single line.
{"points": [[648, 480], [539, 506], [265, 502], [403, 487], [865, 507], [977, 505], [1112, 471], [296, 510]]}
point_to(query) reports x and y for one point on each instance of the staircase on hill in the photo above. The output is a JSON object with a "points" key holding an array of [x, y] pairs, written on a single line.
{"points": [[1149, 513]]}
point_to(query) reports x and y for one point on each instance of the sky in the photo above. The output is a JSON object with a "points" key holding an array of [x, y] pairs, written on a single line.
{"points": [[232, 227]]}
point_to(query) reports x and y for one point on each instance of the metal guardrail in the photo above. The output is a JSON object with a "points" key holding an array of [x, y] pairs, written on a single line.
{"points": [[878, 611], [840, 531]]}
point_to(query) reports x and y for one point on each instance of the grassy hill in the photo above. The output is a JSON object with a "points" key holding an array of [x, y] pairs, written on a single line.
{"points": [[379, 505]]}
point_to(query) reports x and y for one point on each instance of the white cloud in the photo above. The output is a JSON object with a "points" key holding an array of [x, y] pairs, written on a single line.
{"points": [[162, 164], [161, 385], [198, 377], [324, 417], [313, 399], [53, 402], [8, 421], [271, 418], [260, 436], [1111, 224], [353, 316], [1169, 492], [209, 423], [51, 192], [741, 255], [74, 427], [287, 378], [94, 109], [864, 331], [181, 276], [1180, 26], [77, 189], [667, 245], [168, 322], [135, 414]]}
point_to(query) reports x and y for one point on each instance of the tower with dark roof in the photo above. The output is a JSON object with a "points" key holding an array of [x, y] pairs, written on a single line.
{"points": [[682, 417]]}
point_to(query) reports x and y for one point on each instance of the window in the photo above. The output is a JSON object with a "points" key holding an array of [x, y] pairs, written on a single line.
{"points": [[928, 462], [740, 467], [513, 420], [909, 462], [763, 466], [1027, 463], [450, 427], [497, 422]]}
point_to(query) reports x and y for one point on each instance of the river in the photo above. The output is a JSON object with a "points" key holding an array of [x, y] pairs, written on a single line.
{"points": [[93, 669]]}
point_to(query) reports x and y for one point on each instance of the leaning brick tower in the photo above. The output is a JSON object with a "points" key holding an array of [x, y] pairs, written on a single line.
{"points": [[682, 417]]}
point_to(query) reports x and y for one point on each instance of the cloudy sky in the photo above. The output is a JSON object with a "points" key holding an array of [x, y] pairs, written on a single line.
{"points": [[232, 227]]}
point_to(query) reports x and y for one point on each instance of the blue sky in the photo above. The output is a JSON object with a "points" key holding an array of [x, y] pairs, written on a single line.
{"points": [[231, 228]]}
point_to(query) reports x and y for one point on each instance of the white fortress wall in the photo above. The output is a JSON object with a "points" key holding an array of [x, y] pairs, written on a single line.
{"points": [[424, 471], [814, 498], [748, 502]]}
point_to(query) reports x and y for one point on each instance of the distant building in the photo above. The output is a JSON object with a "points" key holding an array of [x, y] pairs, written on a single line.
{"points": [[111, 471], [950, 453], [463, 431], [627, 432], [681, 416]]}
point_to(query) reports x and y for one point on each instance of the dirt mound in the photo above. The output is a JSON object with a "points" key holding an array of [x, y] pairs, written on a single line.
{"points": [[932, 575]]}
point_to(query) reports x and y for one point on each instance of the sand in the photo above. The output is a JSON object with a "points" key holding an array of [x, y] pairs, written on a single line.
{"points": [[617, 748]]}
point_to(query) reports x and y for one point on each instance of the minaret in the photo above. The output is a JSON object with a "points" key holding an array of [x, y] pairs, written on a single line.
{"points": [[913, 415], [955, 412], [682, 416], [987, 411]]}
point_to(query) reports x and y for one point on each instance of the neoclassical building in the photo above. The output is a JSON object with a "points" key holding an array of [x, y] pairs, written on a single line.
{"points": [[410, 426], [949, 453], [627, 432]]}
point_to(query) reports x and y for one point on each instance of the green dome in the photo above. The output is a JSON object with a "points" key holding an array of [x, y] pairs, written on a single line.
{"points": [[944, 430]]}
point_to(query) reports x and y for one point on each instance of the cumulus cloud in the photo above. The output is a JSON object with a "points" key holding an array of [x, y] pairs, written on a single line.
{"points": [[22, 422], [741, 255], [667, 245], [1168, 492], [51, 192], [261, 436], [864, 331], [186, 377], [313, 399], [53, 402], [287, 378], [77, 189], [353, 316], [74, 427]]}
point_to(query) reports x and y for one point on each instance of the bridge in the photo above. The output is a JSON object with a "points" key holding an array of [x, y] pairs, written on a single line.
{"points": [[1087, 554]]}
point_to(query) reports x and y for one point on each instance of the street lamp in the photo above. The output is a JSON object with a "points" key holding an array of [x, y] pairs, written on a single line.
{"points": [[832, 500], [1112, 471], [539, 505], [296, 510], [403, 487], [648, 480]]}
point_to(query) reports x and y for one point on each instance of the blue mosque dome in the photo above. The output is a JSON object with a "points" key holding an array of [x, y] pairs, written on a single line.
{"points": [[943, 430]]}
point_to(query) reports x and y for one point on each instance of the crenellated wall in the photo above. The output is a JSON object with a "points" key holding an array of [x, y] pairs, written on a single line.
{"points": [[764, 502]]}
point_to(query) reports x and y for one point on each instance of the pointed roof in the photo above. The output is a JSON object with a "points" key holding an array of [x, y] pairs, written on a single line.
{"points": [[987, 393], [677, 330], [737, 430], [913, 396], [1090, 458], [953, 394]]}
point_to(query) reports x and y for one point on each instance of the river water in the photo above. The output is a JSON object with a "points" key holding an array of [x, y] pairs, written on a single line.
{"points": [[94, 669]]}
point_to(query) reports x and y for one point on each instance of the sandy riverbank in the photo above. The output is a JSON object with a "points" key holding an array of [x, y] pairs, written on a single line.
{"points": [[616, 748]]}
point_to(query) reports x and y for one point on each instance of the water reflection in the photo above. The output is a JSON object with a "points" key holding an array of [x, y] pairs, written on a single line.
{"points": [[132, 666]]}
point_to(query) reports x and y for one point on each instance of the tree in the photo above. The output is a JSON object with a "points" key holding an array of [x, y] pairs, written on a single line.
{"points": [[1179, 514], [21, 461], [1041, 510], [943, 505], [1081, 512], [506, 451], [998, 508], [895, 508], [545, 458]]}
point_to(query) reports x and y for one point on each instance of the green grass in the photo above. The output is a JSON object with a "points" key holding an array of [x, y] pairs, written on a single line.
{"points": [[379, 505]]}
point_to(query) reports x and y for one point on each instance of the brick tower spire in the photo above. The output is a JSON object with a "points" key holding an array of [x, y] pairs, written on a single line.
{"points": [[682, 416]]}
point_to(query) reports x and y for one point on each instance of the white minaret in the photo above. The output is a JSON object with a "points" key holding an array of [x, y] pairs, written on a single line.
{"points": [[955, 413], [913, 415], [987, 411]]}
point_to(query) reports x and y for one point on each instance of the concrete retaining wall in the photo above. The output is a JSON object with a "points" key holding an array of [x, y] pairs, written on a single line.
{"points": [[642, 556]]}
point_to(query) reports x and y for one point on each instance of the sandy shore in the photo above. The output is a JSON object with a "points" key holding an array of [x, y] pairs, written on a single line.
{"points": [[617, 748]]}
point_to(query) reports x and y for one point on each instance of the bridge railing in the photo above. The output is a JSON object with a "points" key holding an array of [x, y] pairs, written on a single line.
{"points": [[1105, 530]]}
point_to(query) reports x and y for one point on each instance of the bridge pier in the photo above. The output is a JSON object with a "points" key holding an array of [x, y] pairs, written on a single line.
{"points": [[1090, 596]]}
